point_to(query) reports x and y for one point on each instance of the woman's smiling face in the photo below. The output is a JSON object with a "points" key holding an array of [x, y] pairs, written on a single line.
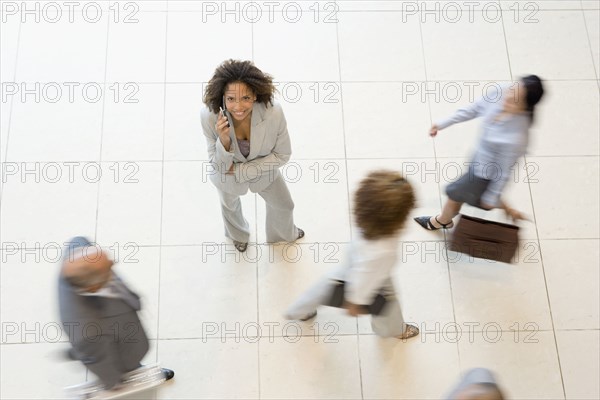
{"points": [[239, 99]]}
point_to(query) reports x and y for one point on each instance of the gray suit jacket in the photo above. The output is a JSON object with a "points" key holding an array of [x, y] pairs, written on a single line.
{"points": [[270, 148], [106, 333]]}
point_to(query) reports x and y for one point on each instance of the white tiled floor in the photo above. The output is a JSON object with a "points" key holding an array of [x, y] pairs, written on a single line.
{"points": [[360, 82]]}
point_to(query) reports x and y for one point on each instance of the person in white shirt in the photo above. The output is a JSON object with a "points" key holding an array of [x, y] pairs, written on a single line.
{"points": [[504, 138], [381, 206]]}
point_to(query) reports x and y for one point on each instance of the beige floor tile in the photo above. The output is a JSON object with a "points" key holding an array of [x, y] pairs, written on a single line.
{"points": [[572, 274], [579, 363], [300, 368], [418, 368], [525, 363], [210, 369]]}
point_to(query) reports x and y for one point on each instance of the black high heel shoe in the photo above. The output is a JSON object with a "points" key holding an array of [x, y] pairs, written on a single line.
{"points": [[425, 222]]}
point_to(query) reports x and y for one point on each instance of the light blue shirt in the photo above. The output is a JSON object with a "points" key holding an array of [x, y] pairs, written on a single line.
{"points": [[502, 141]]}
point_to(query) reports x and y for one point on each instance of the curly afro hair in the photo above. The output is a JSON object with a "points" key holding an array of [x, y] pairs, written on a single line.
{"points": [[382, 203], [238, 71]]}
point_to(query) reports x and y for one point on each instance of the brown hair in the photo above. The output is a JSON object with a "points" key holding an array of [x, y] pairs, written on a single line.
{"points": [[382, 203], [238, 71]]}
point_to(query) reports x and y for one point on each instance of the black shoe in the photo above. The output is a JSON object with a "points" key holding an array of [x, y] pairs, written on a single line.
{"points": [[70, 355], [240, 246], [300, 234], [169, 374], [309, 317], [425, 222]]}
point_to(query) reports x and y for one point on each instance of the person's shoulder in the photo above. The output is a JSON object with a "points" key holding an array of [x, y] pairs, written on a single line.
{"points": [[492, 96], [275, 105], [502, 90], [273, 110]]}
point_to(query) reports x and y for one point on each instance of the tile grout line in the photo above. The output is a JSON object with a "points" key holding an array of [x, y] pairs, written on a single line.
{"points": [[451, 158], [162, 184], [252, 23], [345, 158], [378, 11], [300, 244], [257, 293], [351, 82], [10, 112], [348, 194], [87, 372], [435, 158], [562, 379], [506, 45], [587, 31], [535, 220], [324, 335], [102, 118]]}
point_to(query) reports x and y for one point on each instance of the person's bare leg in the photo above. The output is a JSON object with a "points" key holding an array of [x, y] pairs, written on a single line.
{"points": [[450, 210]]}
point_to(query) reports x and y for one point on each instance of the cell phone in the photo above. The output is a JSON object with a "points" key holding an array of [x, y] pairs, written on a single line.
{"points": [[223, 111], [225, 115]]}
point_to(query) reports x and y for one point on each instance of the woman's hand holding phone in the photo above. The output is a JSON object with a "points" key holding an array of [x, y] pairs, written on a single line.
{"points": [[222, 127]]}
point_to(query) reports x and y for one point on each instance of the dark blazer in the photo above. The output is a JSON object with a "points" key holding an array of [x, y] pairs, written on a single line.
{"points": [[106, 333]]}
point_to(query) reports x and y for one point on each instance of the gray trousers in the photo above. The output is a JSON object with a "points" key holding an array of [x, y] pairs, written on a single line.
{"points": [[387, 324], [119, 349], [279, 220]]}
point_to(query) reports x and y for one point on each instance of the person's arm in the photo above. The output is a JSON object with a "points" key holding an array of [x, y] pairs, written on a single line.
{"points": [[466, 113], [503, 205], [280, 155], [512, 213], [219, 146], [463, 114], [367, 276]]}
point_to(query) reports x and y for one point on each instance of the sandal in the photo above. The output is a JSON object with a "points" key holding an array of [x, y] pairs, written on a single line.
{"points": [[240, 246], [425, 222], [409, 332]]}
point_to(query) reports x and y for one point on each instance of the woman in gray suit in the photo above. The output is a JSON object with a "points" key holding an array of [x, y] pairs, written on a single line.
{"points": [[248, 141]]}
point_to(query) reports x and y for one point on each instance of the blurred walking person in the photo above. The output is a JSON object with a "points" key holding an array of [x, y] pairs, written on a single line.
{"points": [[381, 205], [99, 313], [503, 140]]}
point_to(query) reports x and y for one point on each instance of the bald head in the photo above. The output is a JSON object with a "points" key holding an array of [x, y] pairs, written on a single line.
{"points": [[87, 268], [480, 391]]}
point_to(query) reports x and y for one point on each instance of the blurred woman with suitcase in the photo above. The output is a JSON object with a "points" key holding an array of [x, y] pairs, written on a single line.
{"points": [[504, 138]]}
